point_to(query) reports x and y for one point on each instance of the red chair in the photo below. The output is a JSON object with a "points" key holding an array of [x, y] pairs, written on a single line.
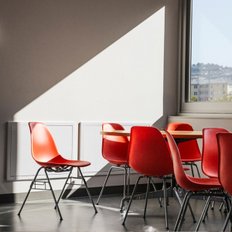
{"points": [[210, 157], [225, 168], [115, 151], [194, 186], [149, 155], [189, 150], [45, 153]]}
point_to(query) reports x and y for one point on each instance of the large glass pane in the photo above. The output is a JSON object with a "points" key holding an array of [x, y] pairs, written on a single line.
{"points": [[211, 56]]}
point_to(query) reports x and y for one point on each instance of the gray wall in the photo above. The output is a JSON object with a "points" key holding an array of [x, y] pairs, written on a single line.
{"points": [[41, 42]]}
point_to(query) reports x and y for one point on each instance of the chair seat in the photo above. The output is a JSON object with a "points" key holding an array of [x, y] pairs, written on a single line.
{"points": [[60, 161], [119, 162], [191, 160], [198, 184]]}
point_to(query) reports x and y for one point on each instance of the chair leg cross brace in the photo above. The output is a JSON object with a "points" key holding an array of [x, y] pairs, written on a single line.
{"points": [[31, 185], [53, 195], [62, 191], [126, 185], [146, 199], [185, 203], [87, 190], [52, 191]]}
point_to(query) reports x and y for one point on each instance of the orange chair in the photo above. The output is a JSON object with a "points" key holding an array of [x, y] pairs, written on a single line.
{"points": [[189, 150], [194, 186], [149, 155], [225, 171], [45, 153], [115, 151]]}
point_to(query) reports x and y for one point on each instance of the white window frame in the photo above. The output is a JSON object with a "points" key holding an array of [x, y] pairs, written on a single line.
{"points": [[184, 70]]}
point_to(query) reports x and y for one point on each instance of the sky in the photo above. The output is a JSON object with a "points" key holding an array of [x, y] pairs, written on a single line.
{"points": [[212, 32]]}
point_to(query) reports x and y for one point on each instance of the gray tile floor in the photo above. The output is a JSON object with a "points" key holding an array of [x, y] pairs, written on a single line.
{"points": [[79, 216]]}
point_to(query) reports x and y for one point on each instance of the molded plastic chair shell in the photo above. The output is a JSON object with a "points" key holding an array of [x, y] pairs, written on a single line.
{"points": [[189, 150], [45, 153], [148, 151], [210, 151], [193, 185], [185, 181], [114, 148], [44, 150], [149, 155], [115, 151], [224, 141], [225, 160]]}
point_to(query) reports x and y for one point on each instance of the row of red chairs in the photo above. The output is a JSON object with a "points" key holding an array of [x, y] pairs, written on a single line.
{"points": [[147, 153]]}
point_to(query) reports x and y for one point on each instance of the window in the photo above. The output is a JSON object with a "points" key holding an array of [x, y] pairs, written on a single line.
{"points": [[207, 55]]}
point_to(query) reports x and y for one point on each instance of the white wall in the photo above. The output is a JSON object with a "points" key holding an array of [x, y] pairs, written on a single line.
{"points": [[56, 59], [122, 83]]}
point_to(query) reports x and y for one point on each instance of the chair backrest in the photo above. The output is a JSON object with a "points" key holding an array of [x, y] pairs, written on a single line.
{"points": [[43, 147], [209, 162], [114, 148], [225, 160], [148, 152], [180, 176], [188, 149]]}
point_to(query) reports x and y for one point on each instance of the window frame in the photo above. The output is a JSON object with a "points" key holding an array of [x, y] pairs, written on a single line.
{"points": [[186, 107]]}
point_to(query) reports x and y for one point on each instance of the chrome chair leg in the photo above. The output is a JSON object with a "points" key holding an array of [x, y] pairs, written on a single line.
{"points": [[227, 204], [221, 206], [128, 181], [181, 214], [159, 198], [87, 190], [149, 179], [184, 211], [146, 197], [131, 199], [198, 172], [212, 205], [191, 166], [206, 209], [104, 184], [227, 219], [53, 195], [125, 183], [31, 185], [204, 212], [181, 202], [126, 189], [165, 202], [62, 191]]}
